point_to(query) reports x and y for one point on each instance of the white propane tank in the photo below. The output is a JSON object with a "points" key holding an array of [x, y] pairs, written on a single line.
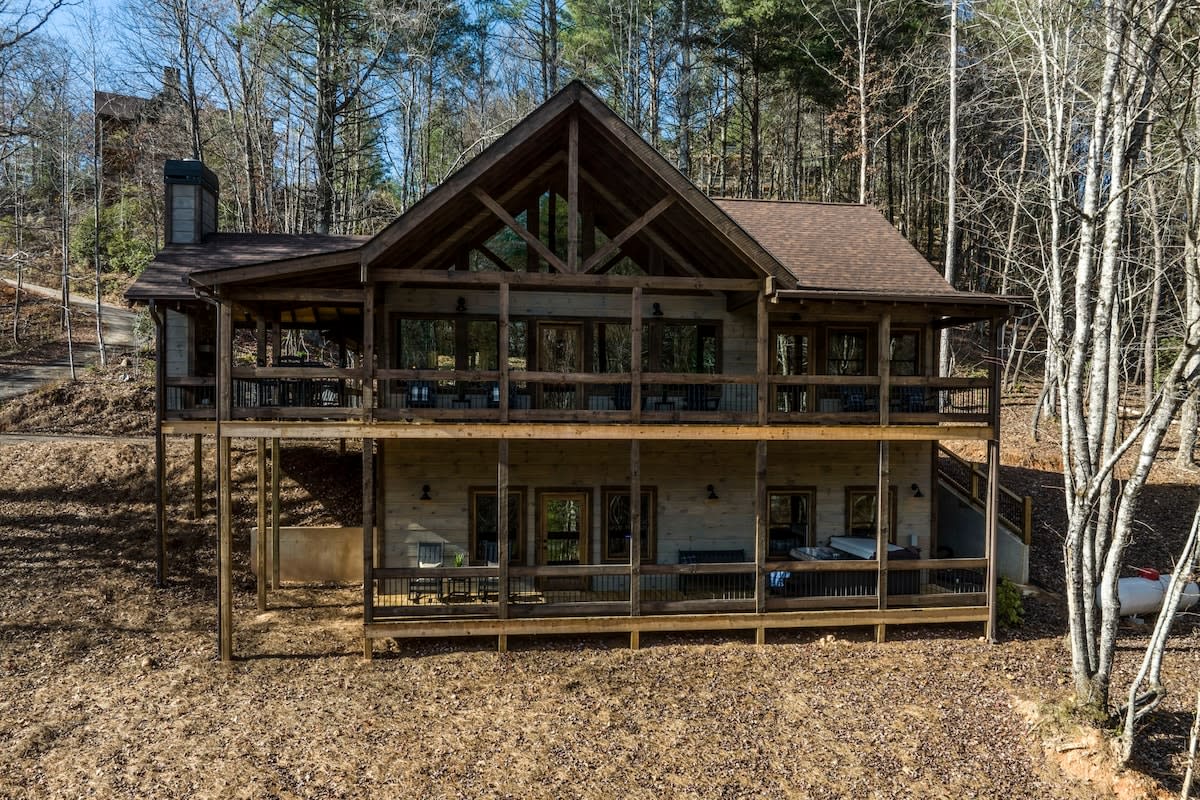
{"points": [[1145, 593]]}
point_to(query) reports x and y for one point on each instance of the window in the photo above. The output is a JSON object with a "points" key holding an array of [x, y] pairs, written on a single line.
{"points": [[611, 347], [791, 358], [484, 528], [667, 346], [860, 512], [906, 352], [789, 520], [687, 347], [427, 344], [847, 354], [617, 530]]}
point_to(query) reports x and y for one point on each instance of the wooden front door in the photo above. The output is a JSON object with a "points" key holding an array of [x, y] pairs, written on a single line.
{"points": [[560, 349], [563, 534]]}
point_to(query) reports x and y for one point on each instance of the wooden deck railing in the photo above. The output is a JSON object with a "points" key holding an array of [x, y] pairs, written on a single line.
{"points": [[970, 480], [589, 590]]}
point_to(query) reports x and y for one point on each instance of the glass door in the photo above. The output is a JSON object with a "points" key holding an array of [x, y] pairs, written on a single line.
{"points": [[563, 535], [791, 357], [560, 349]]}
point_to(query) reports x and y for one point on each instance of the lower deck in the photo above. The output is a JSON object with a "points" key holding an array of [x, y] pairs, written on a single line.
{"points": [[464, 537]]}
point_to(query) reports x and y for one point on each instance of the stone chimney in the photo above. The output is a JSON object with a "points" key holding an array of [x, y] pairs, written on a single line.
{"points": [[192, 192], [170, 80]]}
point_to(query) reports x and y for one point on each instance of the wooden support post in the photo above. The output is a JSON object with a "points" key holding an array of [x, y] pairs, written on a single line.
{"points": [[276, 343], [635, 356], [635, 528], [992, 507], [160, 508], [573, 193], [990, 537], [883, 524], [260, 341], [503, 554], [263, 538], [368, 355], [275, 476], [224, 484], [160, 449], [225, 549], [197, 476], [760, 527], [763, 357], [885, 367], [502, 346], [368, 547]]}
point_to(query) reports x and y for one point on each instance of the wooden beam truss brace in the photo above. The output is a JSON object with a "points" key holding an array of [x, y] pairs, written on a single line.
{"points": [[631, 230], [491, 256], [547, 255]]}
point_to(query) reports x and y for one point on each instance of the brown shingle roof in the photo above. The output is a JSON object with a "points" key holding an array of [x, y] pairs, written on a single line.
{"points": [[837, 246], [166, 276]]}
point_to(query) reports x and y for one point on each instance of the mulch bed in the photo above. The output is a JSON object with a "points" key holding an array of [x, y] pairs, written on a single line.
{"points": [[109, 686]]}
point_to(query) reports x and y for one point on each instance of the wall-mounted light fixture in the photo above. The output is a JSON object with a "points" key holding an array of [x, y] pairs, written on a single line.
{"points": [[916, 490], [712, 492], [461, 306], [425, 492], [656, 310]]}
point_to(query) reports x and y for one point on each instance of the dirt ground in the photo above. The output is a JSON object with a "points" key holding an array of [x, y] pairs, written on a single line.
{"points": [[109, 686]]}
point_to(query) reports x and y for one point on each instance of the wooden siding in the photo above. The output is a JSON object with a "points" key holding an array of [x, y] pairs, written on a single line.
{"points": [[679, 472]]}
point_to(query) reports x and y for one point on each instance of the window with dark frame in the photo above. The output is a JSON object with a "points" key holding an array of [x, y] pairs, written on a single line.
{"points": [[617, 529], [861, 506], [484, 523], [789, 520], [846, 352], [906, 352]]}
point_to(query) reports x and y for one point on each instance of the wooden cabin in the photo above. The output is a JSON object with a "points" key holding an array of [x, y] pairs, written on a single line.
{"points": [[591, 398]]}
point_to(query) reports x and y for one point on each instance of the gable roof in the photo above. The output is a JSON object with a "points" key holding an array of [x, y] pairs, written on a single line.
{"points": [[625, 175], [805, 246]]}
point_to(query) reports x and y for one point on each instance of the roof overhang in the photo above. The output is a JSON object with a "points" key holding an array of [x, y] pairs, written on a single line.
{"points": [[961, 307]]}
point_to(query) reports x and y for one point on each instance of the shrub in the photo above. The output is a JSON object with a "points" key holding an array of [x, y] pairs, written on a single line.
{"points": [[1009, 609]]}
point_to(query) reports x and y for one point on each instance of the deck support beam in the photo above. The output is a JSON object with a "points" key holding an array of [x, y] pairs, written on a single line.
{"points": [[992, 507], [635, 358], [368, 531], [197, 476], [883, 524], [502, 534], [276, 470], [883, 494], [160, 454], [635, 536], [224, 487], [760, 534], [260, 560]]}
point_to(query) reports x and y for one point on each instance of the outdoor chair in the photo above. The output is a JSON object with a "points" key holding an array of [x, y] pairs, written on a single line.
{"points": [[429, 556], [489, 587], [421, 394]]}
